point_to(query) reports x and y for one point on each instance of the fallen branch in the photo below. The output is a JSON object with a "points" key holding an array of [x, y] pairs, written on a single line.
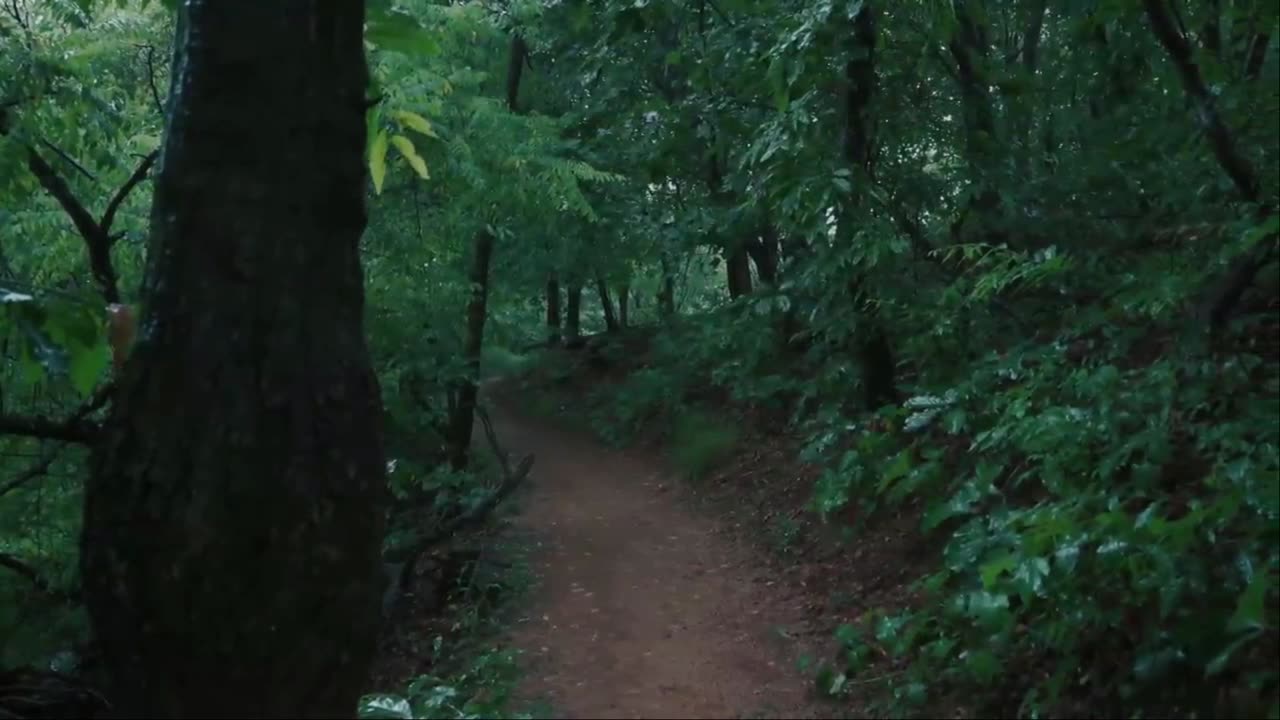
{"points": [[400, 565]]}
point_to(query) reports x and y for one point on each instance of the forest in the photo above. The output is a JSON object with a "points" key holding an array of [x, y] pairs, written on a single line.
{"points": [[639, 358]]}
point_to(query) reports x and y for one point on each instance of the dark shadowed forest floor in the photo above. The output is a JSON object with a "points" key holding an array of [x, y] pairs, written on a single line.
{"points": [[644, 606]]}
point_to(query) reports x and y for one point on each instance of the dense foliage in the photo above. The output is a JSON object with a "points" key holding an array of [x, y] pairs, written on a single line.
{"points": [[1014, 263]]}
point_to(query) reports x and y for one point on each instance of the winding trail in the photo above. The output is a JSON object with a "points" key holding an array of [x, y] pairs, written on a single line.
{"points": [[644, 608]]}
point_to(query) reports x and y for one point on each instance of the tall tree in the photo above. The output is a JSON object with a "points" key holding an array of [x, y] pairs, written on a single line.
{"points": [[233, 521]]}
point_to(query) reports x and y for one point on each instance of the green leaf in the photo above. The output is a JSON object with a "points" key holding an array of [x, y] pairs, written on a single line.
{"points": [[410, 153], [983, 665], [777, 82], [992, 570], [1249, 608], [87, 365], [1223, 659], [378, 160], [415, 122], [385, 706], [399, 32]]}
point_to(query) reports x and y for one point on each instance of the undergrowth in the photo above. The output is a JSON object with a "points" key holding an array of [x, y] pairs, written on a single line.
{"points": [[1111, 516]]}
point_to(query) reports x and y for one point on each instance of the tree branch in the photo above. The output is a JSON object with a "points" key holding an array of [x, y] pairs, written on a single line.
{"points": [[400, 564], [25, 570], [68, 159], [72, 430], [97, 242], [1243, 269], [1224, 149], [39, 469], [139, 174]]}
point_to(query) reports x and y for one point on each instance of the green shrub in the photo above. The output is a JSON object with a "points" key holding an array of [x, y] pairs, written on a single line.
{"points": [[700, 442], [482, 689]]}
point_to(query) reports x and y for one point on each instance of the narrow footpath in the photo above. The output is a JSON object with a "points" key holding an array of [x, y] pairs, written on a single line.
{"points": [[643, 607]]}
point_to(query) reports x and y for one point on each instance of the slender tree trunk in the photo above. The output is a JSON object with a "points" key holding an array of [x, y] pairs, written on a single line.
{"points": [[553, 309], [233, 520], [969, 49], [875, 355], [1228, 291], [737, 268], [573, 314], [1023, 110], [606, 305], [667, 292], [764, 252], [465, 392], [624, 300]]}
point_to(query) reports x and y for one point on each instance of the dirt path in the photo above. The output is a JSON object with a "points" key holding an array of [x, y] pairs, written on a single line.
{"points": [[644, 609]]}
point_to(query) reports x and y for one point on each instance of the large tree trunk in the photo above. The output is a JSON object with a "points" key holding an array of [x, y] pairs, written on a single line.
{"points": [[463, 409], [573, 314], [233, 517], [606, 305], [553, 309]]}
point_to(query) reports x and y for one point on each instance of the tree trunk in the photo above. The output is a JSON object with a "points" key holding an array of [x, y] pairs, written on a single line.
{"points": [[875, 355], [764, 253], [624, 301], [233, 520], [667, 292], [553, 309], [465, 392], [969, 48], [573, 315], [737, 266], [606, 305]]}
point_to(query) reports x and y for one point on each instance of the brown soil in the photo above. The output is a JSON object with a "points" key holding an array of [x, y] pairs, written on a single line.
{"points": [[644, 607]]}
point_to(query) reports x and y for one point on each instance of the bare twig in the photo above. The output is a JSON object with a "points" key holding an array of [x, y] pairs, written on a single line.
{"points": [[151, 79]]}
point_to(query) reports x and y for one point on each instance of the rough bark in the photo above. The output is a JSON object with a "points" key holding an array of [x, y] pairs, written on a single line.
{"points": [[624, 303], [234, 517], [573, 314], [462, 410], [606, 305], [553, 309]]}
